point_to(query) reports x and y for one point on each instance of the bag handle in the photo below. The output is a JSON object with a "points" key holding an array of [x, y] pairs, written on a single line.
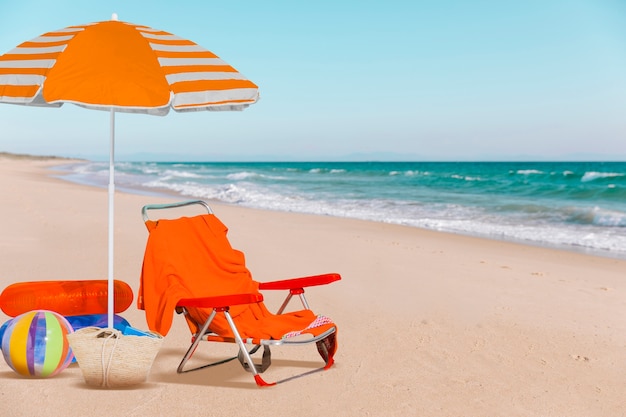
{"points": [[107, 335]]}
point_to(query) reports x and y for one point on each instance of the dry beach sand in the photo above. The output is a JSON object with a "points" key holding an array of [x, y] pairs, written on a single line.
{"points": [[430, 324]]}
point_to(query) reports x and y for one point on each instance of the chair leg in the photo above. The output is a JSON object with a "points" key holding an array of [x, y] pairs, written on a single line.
{"points": [[327, 348], [242, 350], [196, 341], [266, 360]]}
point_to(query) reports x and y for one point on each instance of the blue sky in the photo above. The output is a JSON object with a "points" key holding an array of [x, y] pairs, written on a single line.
{"points": [[341, 80]]}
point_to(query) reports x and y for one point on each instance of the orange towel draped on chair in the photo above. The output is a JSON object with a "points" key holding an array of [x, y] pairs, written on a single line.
{"points": [[191, 257]]}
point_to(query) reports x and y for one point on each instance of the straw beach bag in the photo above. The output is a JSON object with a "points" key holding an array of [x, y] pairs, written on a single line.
{"points": [[110, 359]]}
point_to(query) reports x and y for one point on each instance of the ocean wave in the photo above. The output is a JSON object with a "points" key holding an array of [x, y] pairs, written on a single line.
{"points": [[593, 175], [586, 238], [529, 172], [409, 173], [327, 171], [249, 175], [609, 218], [465, 177], [172, 173], [237, 176], [149, 170]]}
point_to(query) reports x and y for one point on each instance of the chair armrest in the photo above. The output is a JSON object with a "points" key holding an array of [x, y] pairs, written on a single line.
{"points": [[289, 284], [220, 301]]}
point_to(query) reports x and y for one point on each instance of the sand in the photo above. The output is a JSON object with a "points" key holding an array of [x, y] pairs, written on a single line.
{"points": [[430, 324]]}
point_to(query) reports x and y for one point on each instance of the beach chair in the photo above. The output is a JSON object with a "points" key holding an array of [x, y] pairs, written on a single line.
{"points": [[190, 267]]}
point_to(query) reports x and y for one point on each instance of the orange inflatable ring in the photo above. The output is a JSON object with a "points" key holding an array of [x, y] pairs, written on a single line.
{"points": [[68, 298]]}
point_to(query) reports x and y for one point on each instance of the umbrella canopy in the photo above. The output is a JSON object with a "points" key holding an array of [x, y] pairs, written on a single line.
{"points": [[120, 67]]}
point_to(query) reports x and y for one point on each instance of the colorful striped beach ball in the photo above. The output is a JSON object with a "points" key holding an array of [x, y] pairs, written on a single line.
{"points": [[35, 344]]}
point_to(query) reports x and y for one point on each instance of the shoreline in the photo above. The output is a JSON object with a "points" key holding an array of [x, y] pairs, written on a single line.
{"points": [[29, 157], [166, 193], [430, 323]]}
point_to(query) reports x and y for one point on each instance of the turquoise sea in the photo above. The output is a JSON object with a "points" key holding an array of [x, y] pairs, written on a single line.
{"points": [[571, 205]]}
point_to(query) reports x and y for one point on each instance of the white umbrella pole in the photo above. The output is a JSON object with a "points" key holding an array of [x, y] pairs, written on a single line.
{"points": [[110, 305]]}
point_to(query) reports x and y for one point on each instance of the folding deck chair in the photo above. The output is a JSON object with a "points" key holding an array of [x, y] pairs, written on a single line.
{"points": [[189, 267]]}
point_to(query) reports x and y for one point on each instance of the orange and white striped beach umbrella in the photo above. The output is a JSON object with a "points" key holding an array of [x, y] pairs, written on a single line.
{"points": [[120, 67], [124, 67]]}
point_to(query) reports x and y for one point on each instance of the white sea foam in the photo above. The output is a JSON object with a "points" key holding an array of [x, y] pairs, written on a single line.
{"points": [[611, 218], [465, 177], [441, 217], [248, 175], [241, 175], [172, 173], [591, 176]]}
